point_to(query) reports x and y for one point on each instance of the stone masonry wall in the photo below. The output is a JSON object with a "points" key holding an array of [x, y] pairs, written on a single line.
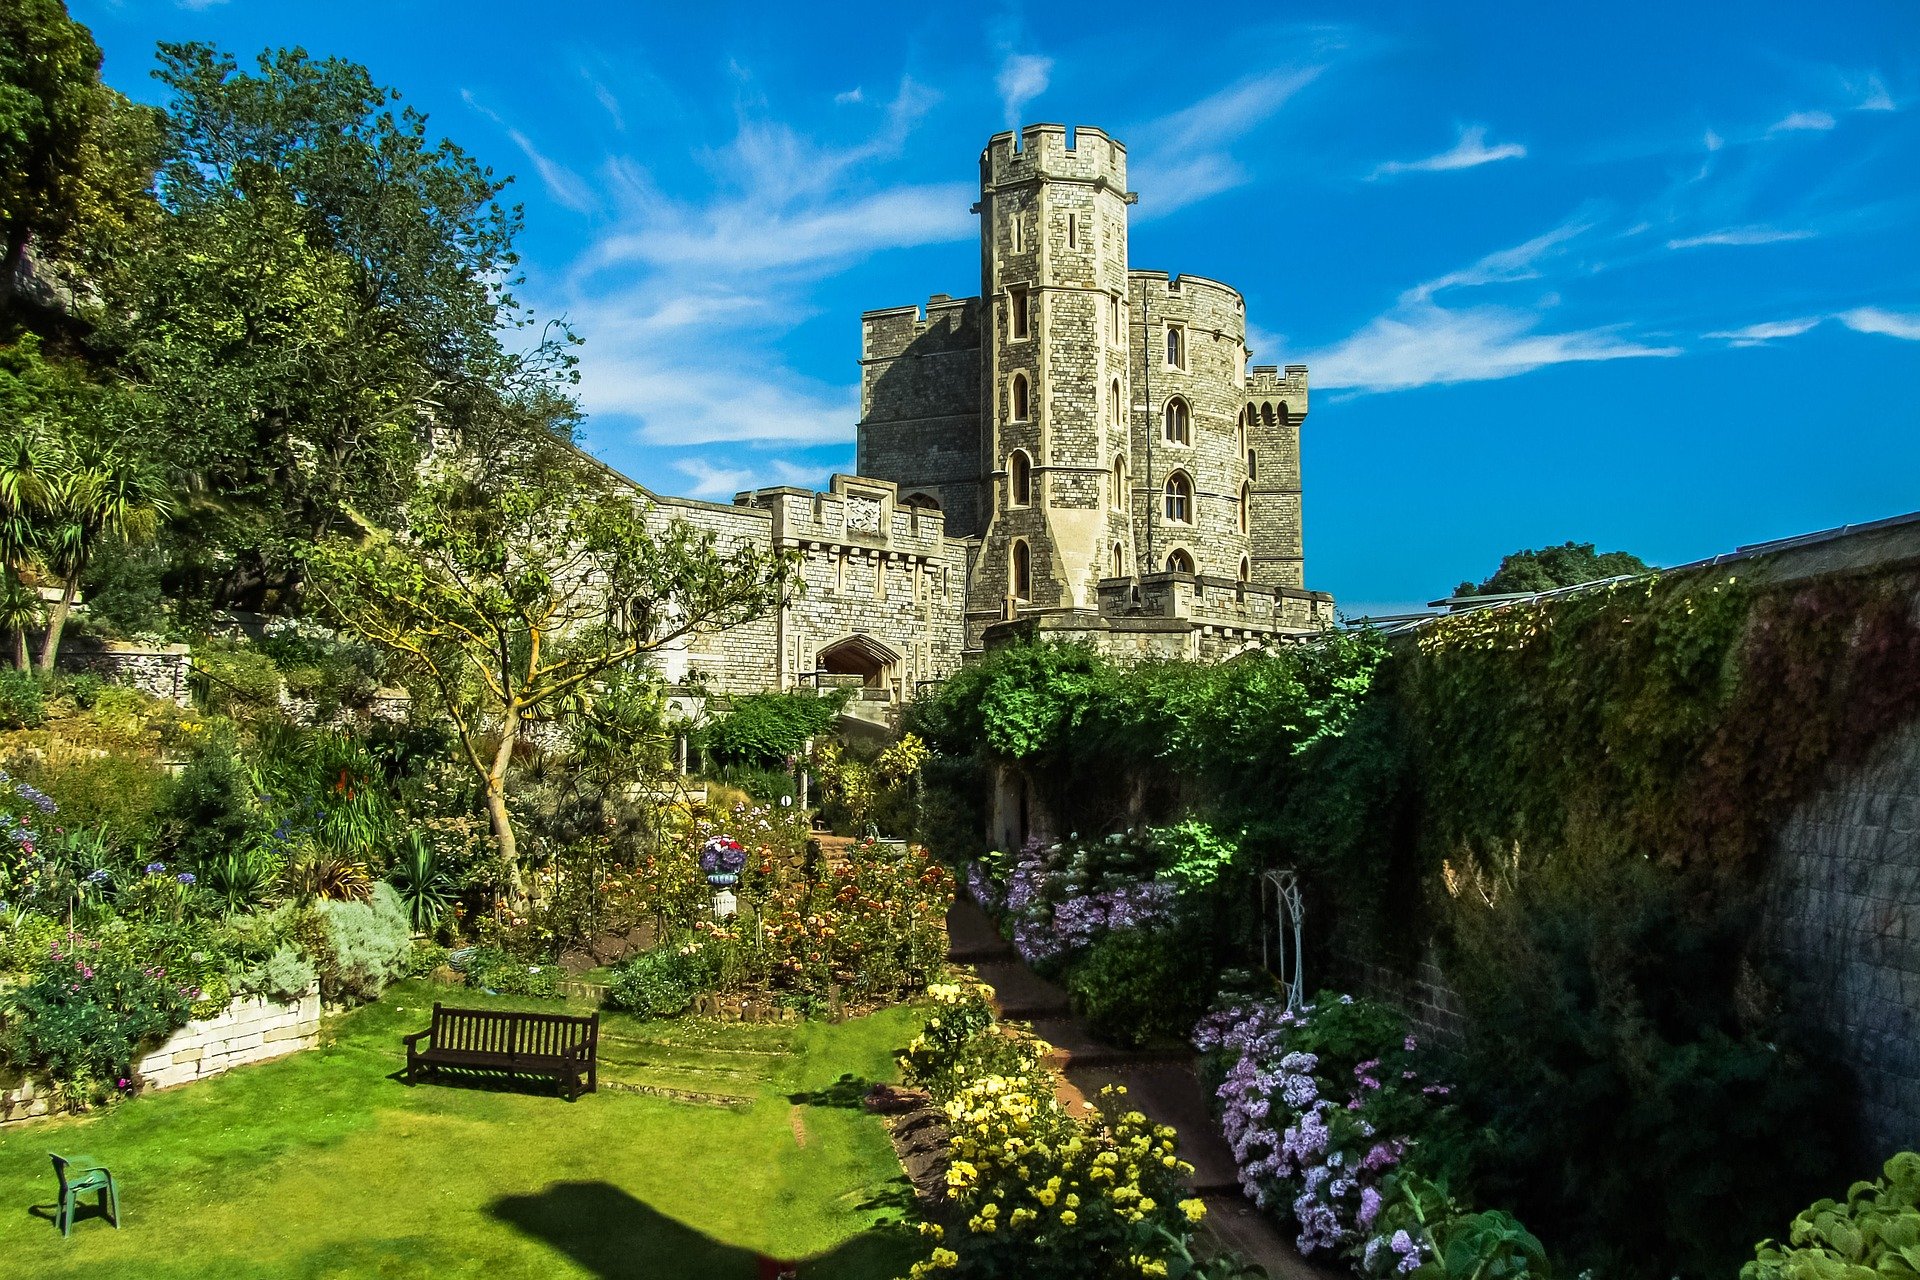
{"points": [[1844, 920], [251, 1029], [159, 671], [920, 405]]}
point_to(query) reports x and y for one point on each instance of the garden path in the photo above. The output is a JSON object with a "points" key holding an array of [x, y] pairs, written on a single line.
{"points": [[1160, 1082]]}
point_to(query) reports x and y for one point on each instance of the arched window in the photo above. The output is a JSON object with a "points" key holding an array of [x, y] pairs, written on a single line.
{"points": [[1119, 561], [1176, 347], [1020, 571], [1179, 562], [1266, 414], [1119, 495], [1019, 479], [1018, 406], [1246, 507], [1246, 571], [1113, 404], [924, 501], [1240, 431], [1253, 466], [1177, 422], [1179, 494]]}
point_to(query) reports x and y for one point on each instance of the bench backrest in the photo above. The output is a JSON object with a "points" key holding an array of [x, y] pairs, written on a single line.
{"points": [[514, 1033]]}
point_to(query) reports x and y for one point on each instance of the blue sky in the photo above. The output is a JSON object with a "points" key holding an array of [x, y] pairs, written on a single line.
{"points": [[1642, 275]]}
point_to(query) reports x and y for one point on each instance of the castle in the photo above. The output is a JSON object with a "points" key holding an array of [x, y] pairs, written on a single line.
{"points": [[1081, 451]]}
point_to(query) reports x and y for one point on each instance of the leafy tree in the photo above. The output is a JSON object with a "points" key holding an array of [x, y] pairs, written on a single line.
{"points": [[1567, 565], [49, 82], [97, 497], [514, 590]]}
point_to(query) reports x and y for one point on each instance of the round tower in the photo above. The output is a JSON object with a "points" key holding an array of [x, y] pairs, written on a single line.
{"points": [[1055, 440]]}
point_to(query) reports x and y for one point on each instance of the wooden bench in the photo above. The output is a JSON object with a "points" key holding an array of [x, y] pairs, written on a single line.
{"points": [[562, 1045]]}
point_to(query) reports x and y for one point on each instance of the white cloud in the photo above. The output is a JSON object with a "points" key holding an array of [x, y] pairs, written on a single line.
{"points": [[1714, 141], [565, 186], [1420, 344], [198, 5], [1023, 77], [1469, 152], [716, 482], [1742, 236], [1503, 266], [1874, 96], [1893, 324], [1804, 121], [611, 104], [855, 94], [1184, 157], [1756, 335]]}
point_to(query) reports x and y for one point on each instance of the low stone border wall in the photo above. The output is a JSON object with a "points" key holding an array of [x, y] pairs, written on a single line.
{"points": [[251, 1029]]}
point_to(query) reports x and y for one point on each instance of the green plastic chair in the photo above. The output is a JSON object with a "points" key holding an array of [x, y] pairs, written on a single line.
{"points": [[83, 1176]]}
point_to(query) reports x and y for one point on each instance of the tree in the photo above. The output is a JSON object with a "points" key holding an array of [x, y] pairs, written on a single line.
{"points": [[96, 496], [516, 585], [49, 87], [1567, 565]]}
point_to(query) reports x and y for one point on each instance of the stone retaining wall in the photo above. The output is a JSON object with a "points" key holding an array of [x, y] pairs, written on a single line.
{"points": [[160, 671], [250, 1029]]}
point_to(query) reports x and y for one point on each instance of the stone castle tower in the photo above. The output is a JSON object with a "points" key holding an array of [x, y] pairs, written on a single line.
{"points": [[1094, 428]]}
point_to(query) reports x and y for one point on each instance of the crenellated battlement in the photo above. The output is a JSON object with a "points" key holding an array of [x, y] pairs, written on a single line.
{"points": [[1164, 285], [1279, 393], [1053, 151], [944, 324]]}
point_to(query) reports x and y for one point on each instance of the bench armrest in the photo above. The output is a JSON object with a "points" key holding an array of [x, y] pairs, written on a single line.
{"points": [[416, 1037]]}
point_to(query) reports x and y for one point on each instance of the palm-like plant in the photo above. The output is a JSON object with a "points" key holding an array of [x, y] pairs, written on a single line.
{"points": [[19, 613], [425, 889], [98, 495]]}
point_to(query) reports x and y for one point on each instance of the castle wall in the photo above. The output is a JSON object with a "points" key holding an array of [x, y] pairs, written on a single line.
{"points": [[920, 405], [1276, 406]]}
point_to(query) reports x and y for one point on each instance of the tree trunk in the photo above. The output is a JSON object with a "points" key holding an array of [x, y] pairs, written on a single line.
{"points": [[15, 252], [20, 649], [497, 814], [56, 623]]}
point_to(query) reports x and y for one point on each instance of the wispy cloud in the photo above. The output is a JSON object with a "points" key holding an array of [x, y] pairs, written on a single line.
{"points": [[1870, 93], [1420, 344], [710, 481], [1505, 266], [1742, 236], [1893, 324], [1758, 335], [1469, 152], [197, 5], [1188, 155], [567, 188], [1804, 122], [850, 96], [1023, 77], [607, 100]]}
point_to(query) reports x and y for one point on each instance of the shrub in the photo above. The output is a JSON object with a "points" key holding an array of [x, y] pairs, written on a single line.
{"points": [[1142, 984], [425, 889], [768, 729], [950, 1048], [84, 1017], [1875, 1233], [285, 975], [210, 809], [237, 679], [491, 969], [121, 794], [22, 703], [661, 983], [359, 947]]}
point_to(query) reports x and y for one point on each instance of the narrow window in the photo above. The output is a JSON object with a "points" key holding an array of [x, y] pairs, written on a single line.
{"points": [[1176, 422], [1018, 398], [1253, 466], [1179, 496], [1119, 482], [1176, 348], [1246, 571], [1240, 430], [1017, 306], [1115, 333], [1179, 562], [1020, 575], [1073, 231], [1113, 403], [1020, 477], [1119, 561], [1013, 232], [1246, 507]]}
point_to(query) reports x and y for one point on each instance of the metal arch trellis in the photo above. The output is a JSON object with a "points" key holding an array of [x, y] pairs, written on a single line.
{"points": [[1289, 908]]}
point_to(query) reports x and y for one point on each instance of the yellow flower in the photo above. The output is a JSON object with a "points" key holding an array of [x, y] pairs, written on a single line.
{"points": [[944, 1258], [939, 1232], [1194, 1209], [1068, 1217]]}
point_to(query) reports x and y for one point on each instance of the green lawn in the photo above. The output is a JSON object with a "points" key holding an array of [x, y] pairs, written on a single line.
{"points": [[323, 1165]]}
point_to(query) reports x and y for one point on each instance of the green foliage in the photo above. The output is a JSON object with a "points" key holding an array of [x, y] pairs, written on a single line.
{"points": [[1566, 565], [1138, 985], [491, 969], [285, 975], [359, 947], [663, 982], [22, 702], [236, 679], [1460, 1245], [1196, 856], [210, 810], [1874, 1235], [126, 594], [425, 889], [120, 795], [767, 730], [49, 91], [84, 1016]]}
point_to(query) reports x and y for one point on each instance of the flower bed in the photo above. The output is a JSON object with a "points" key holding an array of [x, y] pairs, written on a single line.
{"points": [[1033, 1191], [1337, 1124]]}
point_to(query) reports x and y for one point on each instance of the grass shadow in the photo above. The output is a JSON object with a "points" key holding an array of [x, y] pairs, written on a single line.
{"points": [[849, 1091], [616, 1236]]}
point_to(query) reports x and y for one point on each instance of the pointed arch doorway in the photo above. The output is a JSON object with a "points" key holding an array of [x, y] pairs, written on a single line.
{"points": [[875, 665]]}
